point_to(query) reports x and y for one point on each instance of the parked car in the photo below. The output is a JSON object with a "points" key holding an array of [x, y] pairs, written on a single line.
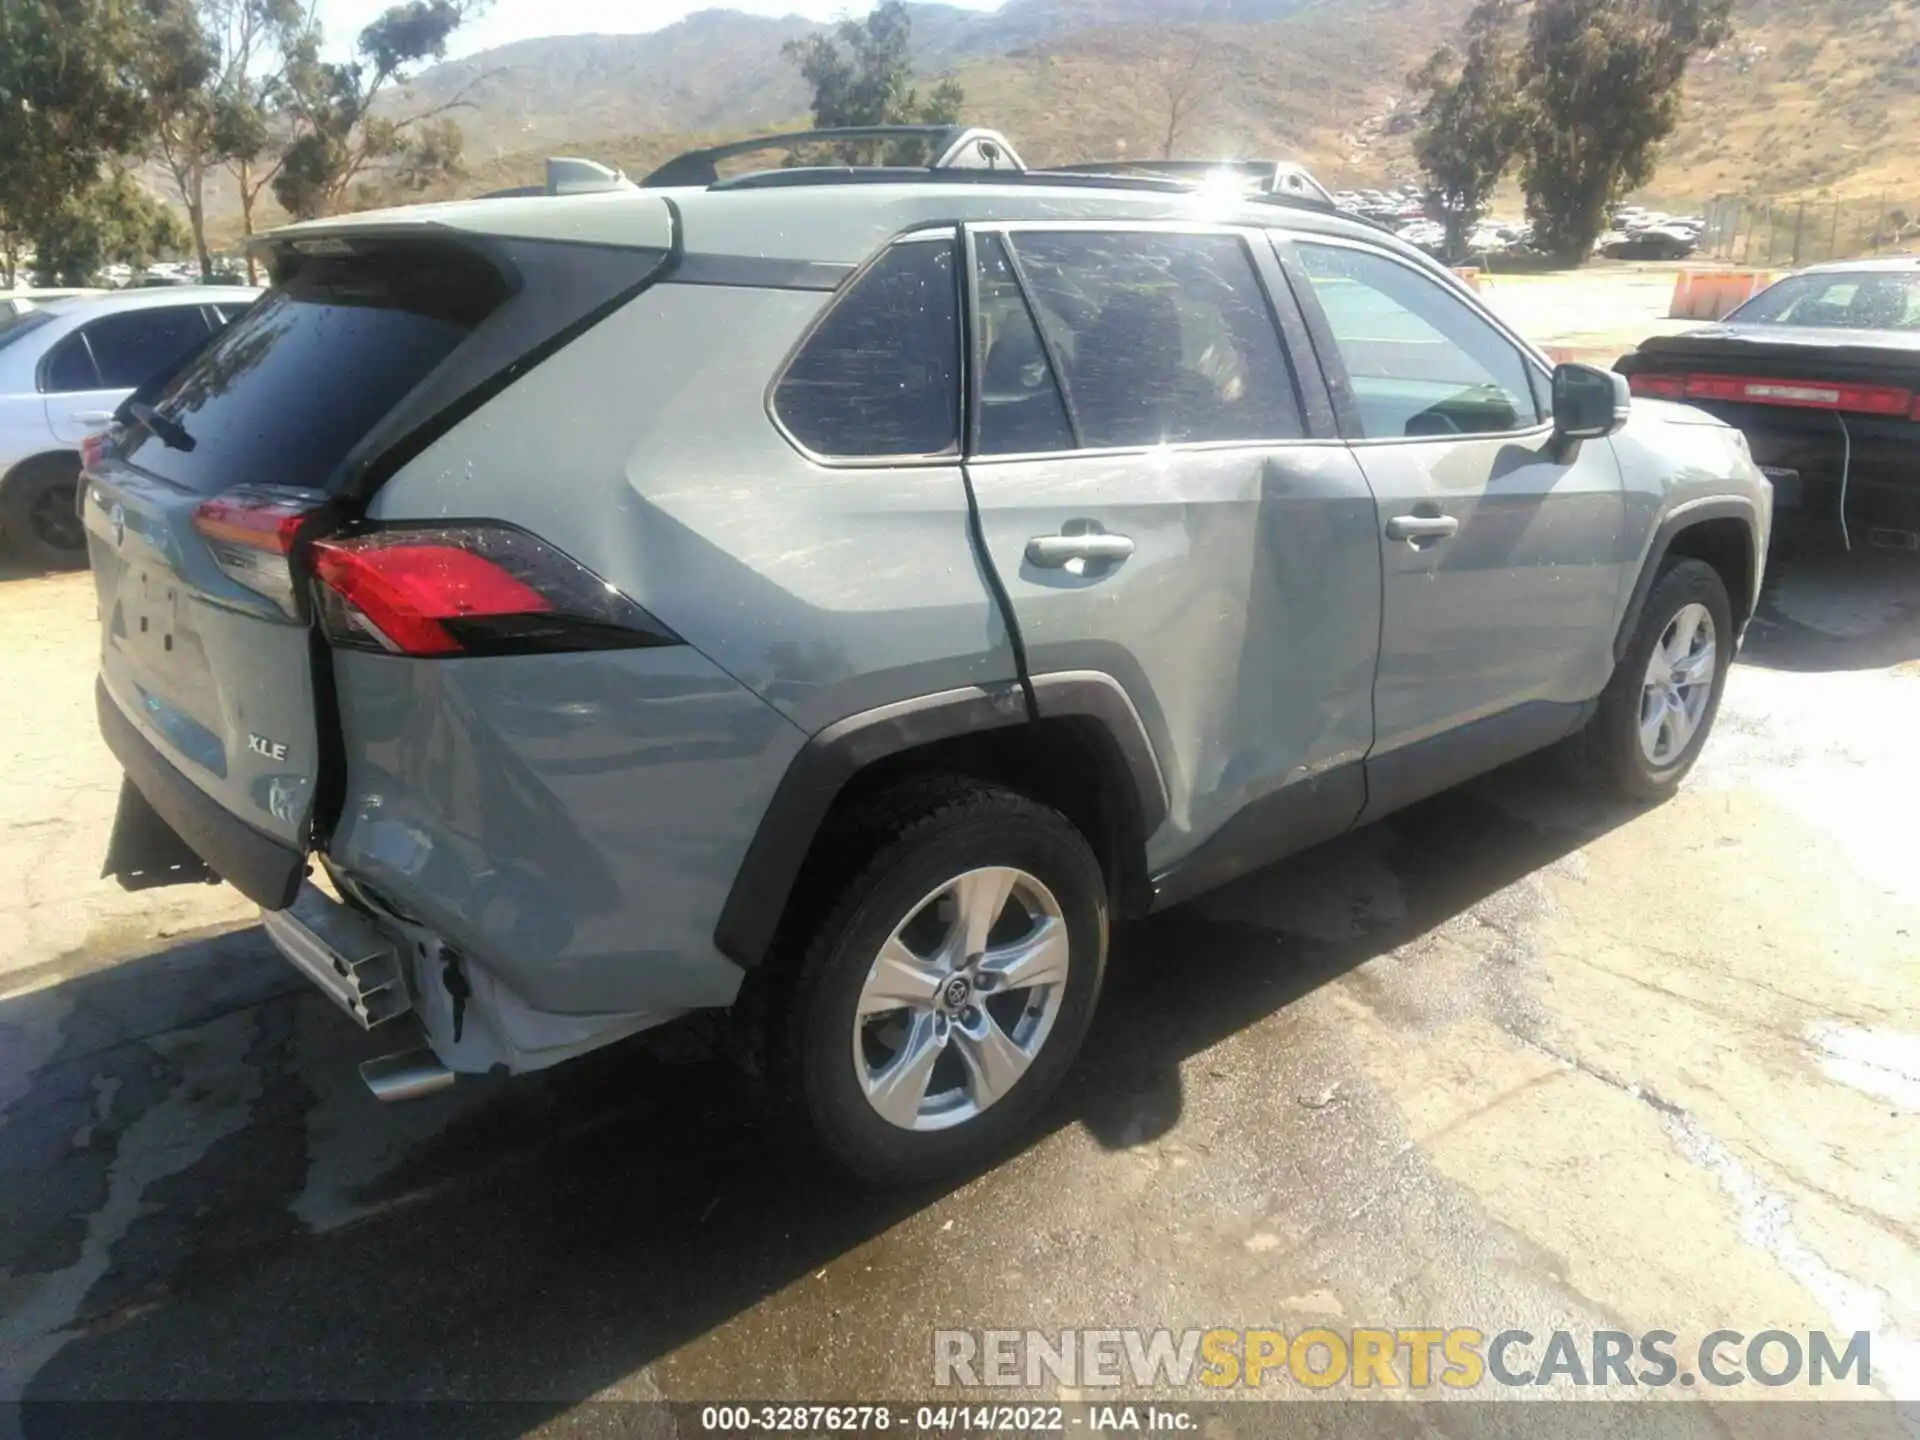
{"points": [[1655, 242], [839, 597], [65, 366], [1821, 372]]}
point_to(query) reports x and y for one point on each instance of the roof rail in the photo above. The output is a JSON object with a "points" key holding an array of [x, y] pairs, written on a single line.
{"points": [[954, 147], [802, 175], [1277, 179]]}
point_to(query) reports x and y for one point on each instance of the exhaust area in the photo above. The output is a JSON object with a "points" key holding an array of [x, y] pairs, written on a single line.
{"points": [[405, 1075]]}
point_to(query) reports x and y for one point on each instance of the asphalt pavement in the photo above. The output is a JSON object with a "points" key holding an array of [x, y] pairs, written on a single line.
{"points": [[1512, 1058]]}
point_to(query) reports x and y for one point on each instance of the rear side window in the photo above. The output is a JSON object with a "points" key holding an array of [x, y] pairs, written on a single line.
{"points": [[1021, 410], [284, 393], [135, 347], [1163, 337], [1421, 362], [20, 324], [880, 375]]}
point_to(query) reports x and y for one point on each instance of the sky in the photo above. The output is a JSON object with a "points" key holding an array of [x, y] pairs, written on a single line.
{"points": [[508, 20]]}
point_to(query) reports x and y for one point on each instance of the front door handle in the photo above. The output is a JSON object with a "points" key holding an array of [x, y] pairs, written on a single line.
{"points": [[1421, 527], [1051, 552]]}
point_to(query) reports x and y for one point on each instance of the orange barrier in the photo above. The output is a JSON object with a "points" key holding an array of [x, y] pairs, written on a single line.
{"points": [[1600, 356], [1469, 273], [1711, 294]]}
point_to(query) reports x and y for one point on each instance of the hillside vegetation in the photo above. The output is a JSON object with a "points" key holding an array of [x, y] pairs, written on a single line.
{"points": [[1806, 98]]}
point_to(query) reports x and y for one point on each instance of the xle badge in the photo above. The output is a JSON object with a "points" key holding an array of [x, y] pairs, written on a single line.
{"points": [[272, 749]]}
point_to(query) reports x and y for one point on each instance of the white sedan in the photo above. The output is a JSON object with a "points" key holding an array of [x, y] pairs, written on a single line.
{"points": [[65, 366]]}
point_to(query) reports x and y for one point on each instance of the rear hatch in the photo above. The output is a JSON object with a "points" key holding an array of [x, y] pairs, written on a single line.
{"points": [[200, 508]]}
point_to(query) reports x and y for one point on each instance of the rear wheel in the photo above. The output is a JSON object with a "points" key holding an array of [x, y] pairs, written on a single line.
{"points": [[1657, 710], [948, 990], [38, 514]]}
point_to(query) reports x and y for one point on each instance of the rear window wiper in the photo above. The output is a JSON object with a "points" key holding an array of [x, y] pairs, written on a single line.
{"points": [[170, 433]]}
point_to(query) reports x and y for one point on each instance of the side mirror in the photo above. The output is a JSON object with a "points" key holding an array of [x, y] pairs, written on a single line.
{"points": [[1588, 403]]}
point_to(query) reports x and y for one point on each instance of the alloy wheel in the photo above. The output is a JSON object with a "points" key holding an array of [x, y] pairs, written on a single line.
{"points": [[1677, 686], [961, 998]]}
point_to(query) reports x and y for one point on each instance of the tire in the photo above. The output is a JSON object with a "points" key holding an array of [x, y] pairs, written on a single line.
{"points": [[910, 853], [37, 515], [1612, 751]]}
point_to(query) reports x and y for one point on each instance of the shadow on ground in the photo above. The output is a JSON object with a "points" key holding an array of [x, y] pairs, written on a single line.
{"points": [[581, 1225], [564, 1232], [1829, 609]]}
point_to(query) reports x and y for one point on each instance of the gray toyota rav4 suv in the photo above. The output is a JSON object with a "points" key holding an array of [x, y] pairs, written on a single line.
{"points": [[839, 596]]}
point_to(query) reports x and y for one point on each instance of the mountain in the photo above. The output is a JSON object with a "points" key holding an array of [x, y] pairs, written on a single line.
{"points": [[1805, 96], [723, 71]]}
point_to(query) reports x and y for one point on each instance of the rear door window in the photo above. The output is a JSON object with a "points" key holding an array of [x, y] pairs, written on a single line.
{"points": [[135, 346], [1021, 410], [1163, 336], [880, 375], [68, 367], [284, 393]]}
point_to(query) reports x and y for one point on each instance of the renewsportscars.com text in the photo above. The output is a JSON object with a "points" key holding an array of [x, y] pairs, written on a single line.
{"points": [[1460, 1358]]}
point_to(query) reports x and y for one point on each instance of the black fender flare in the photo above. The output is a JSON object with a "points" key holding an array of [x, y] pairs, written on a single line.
{"points": [[835, 755], [1684, 517]]}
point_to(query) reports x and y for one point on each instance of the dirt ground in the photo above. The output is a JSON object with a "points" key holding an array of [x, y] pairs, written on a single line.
{"points": [[1512, 1059]]}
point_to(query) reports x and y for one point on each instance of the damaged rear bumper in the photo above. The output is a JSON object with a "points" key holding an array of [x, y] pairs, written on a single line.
{"points": [[378, 966]]}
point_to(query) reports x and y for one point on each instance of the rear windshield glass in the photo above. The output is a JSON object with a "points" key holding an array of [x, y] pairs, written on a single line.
{"points": [[1840, 300], [287, 390], [14, 327]]}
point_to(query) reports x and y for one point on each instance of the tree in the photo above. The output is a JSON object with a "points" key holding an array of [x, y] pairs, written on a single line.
{"points": [[182, 81], [1472, 119], [1603, 90], [113, 221], [338, 135], [1183, 77], [214, 83], [265, 39], [11, 243], [74, 90], [861, 72]]}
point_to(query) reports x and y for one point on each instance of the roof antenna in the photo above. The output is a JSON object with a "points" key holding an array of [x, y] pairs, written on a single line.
{"points": [[570, 175]]}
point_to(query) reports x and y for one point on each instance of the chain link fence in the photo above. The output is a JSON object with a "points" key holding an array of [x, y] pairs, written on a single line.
{"points": [[1791, 231]]}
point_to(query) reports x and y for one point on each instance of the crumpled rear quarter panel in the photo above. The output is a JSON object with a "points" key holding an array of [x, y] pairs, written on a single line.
{"points": [[571, 822]]}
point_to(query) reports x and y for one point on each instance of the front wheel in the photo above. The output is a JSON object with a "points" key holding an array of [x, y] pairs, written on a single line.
{"points": [[1657, 710], [947, 993]]}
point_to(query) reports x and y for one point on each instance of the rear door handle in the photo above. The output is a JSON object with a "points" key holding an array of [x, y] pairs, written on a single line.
{"points": [[93, 417], [1050, 552], [1421, 527]]}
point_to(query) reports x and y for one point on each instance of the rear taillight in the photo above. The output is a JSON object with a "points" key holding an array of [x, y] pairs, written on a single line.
{"points": [[251, 533], [475, 589], [1795, 394], [1666, 387]]}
